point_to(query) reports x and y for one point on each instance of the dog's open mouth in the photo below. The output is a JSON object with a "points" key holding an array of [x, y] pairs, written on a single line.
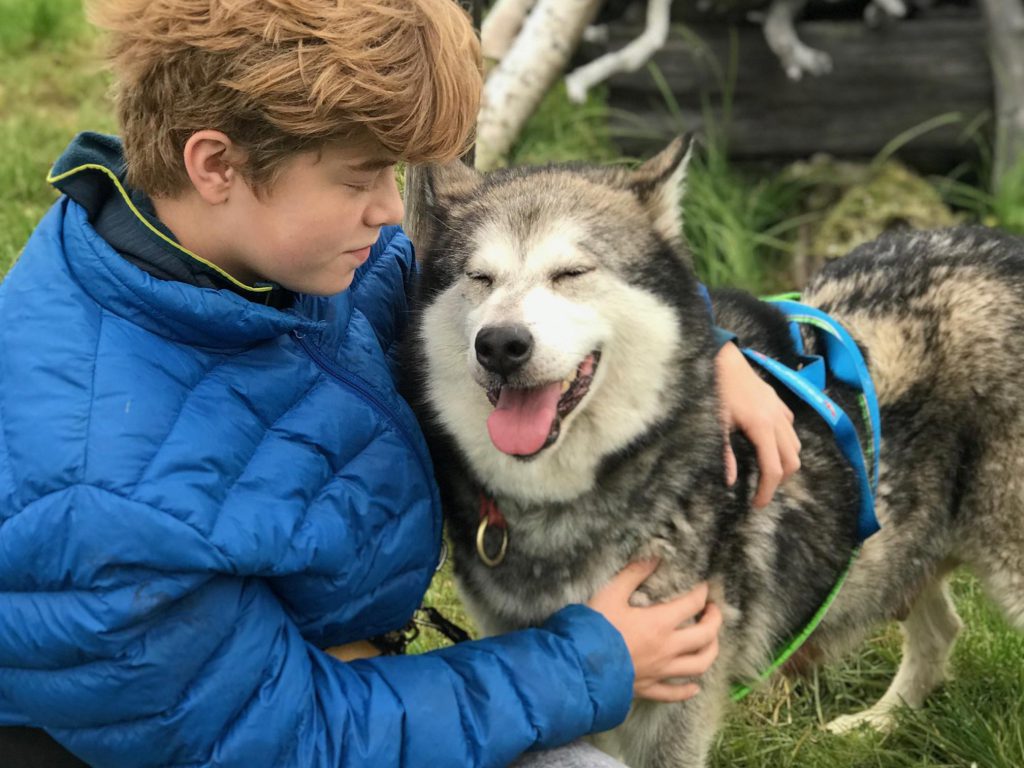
{"points": [[526, 421]]}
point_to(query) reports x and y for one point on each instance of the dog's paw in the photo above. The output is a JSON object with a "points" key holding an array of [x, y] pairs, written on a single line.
{"points": [[596, 33], [803, 59], [576, 88], [893, 9], [879, 720]]}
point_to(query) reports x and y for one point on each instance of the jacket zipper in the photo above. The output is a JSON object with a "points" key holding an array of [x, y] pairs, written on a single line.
{"points": [[363, 390]]}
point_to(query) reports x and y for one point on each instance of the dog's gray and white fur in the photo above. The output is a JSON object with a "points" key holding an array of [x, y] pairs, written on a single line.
{"points": [[590, 259]]}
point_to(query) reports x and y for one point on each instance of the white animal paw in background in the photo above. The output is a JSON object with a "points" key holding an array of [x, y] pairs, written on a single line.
{"points": [[801, 59], [881, 720], [878, 12], [596, 33], [895, 8], [576, 87]]}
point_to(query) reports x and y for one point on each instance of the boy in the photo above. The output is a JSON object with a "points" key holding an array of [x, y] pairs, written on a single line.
{"points": [[206, 475]]}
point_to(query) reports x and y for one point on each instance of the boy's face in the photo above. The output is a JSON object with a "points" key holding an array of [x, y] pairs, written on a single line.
{"points": [[314, 227]]}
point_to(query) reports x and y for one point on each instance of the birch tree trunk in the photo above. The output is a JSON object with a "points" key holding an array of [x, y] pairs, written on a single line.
{"points": [[501, 26], [538, 56], [1006, 48]]}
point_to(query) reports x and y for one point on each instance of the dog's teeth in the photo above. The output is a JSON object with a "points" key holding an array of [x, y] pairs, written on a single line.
{"points": [[565, 386]]}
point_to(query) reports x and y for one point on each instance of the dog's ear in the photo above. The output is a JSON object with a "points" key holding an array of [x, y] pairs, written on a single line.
{"points": [[453, 180], [429, 189], [659, 184]]}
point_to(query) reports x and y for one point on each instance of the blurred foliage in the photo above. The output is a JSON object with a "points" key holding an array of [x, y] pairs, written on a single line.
{"points": [[35, 24], [562, 132]]}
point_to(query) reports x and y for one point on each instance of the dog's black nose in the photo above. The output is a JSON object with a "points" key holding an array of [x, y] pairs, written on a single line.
{"points": [[503, 349]]}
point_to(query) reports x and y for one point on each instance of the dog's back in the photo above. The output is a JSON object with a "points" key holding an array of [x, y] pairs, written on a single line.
{"points": [[938, 315]]}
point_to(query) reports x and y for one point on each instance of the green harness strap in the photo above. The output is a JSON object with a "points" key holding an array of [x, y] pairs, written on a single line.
{"points": [[740, 690]]}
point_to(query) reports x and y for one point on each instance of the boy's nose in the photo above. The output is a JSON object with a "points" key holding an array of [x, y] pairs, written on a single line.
{"points": [[387, 206]]}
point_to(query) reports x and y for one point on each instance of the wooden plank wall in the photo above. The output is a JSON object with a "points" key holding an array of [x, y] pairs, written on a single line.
{"points": [[885, 81]]}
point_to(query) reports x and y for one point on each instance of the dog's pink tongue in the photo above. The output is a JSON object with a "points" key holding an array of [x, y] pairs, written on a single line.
{"points": [[521, 421]]}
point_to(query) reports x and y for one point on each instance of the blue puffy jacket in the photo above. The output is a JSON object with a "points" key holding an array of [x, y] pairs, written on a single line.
{"points": [[198, 493]]}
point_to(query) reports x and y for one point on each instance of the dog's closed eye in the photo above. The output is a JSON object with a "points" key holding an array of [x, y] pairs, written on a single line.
{"points": [[569, 274], [482, 278]]}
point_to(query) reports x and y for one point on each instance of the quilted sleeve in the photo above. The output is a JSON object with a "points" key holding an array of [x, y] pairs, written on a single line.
{"points": [[135, 642]]}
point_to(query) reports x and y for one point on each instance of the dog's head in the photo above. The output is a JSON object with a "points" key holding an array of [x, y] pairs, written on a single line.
{"points": [[553, 303]]}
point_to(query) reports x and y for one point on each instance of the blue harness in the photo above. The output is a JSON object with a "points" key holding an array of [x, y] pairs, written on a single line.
{"points": [[844, 362]]}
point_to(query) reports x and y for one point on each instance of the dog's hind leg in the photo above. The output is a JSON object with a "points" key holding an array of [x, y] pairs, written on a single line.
{"points": [[1001, 573], [994, 546], [929, 632]]}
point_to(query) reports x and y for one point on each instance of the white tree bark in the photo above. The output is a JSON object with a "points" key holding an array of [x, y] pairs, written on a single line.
{"points": [[629, 59], [501, 25], [516, 86], [1006, 49]]}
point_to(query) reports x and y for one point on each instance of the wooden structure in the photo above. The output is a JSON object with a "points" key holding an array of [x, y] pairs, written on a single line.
{"points": [[885, 81]]}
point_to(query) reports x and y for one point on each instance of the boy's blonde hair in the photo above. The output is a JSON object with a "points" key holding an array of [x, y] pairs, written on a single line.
{"points": [[284, 76]]}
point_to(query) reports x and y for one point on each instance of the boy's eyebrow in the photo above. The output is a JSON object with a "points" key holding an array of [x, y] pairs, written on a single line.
{"points": [[373, 164]]}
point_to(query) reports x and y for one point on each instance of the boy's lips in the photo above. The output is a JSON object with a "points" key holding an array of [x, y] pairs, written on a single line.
{"points": [[360, 254]]}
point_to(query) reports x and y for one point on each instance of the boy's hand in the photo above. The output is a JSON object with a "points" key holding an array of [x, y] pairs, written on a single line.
{"points": [[749, 404], [661, 643]]}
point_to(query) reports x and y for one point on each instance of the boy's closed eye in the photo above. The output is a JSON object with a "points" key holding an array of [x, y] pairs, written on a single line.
{"points": [[359, 186], [363, 181]]}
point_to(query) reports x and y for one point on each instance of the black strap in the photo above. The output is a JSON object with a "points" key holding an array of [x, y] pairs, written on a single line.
{"points": [[33, 748], [446, 627], [396, 643]]}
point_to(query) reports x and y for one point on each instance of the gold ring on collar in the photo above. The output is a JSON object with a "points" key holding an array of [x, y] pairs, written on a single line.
{"points": [[482, 550]]}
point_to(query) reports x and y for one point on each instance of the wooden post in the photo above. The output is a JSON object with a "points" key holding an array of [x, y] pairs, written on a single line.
{"points": [[1006, 49], [886, 82]]}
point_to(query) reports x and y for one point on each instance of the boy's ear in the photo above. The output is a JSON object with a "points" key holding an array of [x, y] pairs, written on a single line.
{"points": [[659, 184], [429, 190], [212, 161]]}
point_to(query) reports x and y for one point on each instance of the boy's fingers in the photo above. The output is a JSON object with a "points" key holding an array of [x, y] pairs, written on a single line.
{"points": [[712, 617], [694, 637], [686, 607], [693, 664], [770, 467], [789, 452], [730, 463]]}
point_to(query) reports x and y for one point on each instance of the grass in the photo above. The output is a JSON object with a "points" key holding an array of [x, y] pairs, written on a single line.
{"points": [[53, 87], [736, 227], [977, 718]]}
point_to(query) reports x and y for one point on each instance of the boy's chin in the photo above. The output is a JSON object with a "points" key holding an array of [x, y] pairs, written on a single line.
{"points": [[323, 285]]}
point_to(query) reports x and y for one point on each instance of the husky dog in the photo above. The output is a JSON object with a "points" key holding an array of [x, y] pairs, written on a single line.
{"points": [[565, 358]]}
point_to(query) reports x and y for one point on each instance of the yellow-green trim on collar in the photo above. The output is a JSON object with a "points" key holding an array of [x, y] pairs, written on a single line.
{"points": [[50, 178]]}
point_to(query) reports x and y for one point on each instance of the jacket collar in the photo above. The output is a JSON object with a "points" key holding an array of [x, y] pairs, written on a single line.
{"points": [[184, 313], [91, 171]]}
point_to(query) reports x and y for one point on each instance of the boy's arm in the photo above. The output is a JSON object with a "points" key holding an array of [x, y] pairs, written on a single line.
{"points": [[144, 645], [752, 406]]}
